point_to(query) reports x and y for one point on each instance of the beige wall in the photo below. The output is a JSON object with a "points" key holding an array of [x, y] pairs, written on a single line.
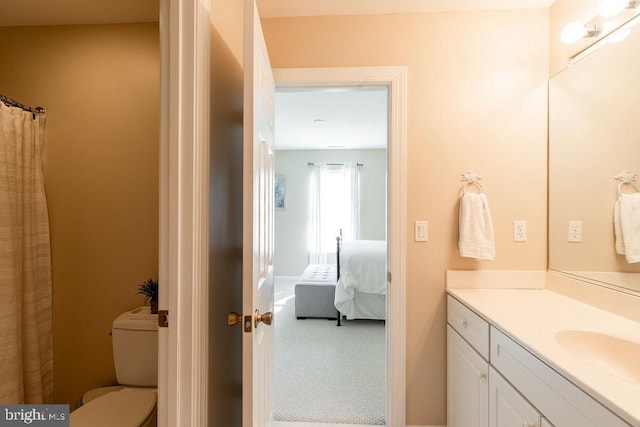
{"points": [[100, 86], [227, 19], [476, 101]]}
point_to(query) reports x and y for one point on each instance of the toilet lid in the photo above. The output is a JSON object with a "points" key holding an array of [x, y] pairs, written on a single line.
{"points": [[125, 408]]}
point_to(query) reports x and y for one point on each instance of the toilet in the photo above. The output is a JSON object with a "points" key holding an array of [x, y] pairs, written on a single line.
{"points": [[133, 403]]}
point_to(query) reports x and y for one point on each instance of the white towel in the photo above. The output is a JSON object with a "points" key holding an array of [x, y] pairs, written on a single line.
{"points": [[617, 228], [628, 229], [476, 238]]}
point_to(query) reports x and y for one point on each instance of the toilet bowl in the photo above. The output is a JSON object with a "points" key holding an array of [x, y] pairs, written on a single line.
{"points": [[134, 402], [128, 407]]}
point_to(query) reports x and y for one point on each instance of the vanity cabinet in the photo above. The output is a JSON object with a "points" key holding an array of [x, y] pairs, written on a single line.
{"points": [[467, 386], [493, 381], [507, 407], [467, 367], [557, 398], [477, 395]]}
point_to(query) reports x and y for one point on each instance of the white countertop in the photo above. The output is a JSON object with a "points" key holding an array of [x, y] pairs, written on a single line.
{"points": [[533, 317]]}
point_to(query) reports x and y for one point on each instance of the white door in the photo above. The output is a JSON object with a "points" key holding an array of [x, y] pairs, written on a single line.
{"points": [[467, 386], [258, 212]]}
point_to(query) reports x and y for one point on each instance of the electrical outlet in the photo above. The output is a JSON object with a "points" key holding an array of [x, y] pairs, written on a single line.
{"points": [[575, 231], [519, 230]]}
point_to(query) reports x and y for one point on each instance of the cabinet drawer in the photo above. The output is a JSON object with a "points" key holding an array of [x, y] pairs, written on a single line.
{"points": [[561, 402], [468, 324]]}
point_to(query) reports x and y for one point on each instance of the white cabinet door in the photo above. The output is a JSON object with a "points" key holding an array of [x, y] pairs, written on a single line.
{"points": [[467, 386], [507, 408]]}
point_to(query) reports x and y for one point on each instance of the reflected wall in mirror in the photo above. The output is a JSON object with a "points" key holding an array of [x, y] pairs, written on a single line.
{"points": [[594, 134]]}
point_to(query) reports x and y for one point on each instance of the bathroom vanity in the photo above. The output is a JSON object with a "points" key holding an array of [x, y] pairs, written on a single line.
{"points": [[535, 358]]}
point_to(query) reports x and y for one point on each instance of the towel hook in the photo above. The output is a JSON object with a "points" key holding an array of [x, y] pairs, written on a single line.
{"points": [[470, 177], [626, 178]]}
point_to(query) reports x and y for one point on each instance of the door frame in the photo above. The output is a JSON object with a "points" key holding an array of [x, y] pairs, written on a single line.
{"points": [[395, 79], [184, 211], [184, 176]]}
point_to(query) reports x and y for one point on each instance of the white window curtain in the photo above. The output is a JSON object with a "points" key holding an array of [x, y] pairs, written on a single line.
{"points": [[26, 353], [335, 206]]}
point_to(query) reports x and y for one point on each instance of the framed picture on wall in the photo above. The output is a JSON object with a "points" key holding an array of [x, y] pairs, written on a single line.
{"points": [[280, 190]]}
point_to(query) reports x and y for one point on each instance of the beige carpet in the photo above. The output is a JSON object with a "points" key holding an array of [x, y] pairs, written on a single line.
{"points": [[325, 373]]}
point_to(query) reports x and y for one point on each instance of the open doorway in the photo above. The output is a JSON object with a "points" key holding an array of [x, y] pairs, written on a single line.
{"points": [[331, 178]]}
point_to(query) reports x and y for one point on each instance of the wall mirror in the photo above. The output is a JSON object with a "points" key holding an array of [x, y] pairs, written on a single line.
{"points": [[594, 135]]}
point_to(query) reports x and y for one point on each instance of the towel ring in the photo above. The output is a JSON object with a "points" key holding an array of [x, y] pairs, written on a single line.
{"points": [[626, 178], [470, 178], [635, 187], [464, 187]]}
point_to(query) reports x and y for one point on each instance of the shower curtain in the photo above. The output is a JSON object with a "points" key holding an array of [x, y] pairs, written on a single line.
{"points": [[26, 342]]}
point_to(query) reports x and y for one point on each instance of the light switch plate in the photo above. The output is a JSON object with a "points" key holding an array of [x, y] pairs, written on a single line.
{"points": [[422, 231]]}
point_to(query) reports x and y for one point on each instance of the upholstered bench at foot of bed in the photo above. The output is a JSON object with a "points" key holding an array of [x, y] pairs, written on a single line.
{"points": [[315, 300], [315, 293]]}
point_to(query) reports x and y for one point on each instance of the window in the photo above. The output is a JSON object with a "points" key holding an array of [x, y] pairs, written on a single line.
{"points": [[335, 199]]}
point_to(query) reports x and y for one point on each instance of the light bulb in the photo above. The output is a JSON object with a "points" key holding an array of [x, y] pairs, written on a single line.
{"points": [[612, 7], [573, 32]]}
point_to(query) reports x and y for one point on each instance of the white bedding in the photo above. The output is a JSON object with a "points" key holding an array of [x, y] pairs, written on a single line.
{"points": [[363, 276]]}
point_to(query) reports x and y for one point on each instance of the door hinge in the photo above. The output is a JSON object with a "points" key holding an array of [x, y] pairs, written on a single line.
{"points": [[163, 318], [389, 276]]}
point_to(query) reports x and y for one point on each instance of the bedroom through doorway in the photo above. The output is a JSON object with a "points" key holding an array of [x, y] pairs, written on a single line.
{"points": [[331, 164]]}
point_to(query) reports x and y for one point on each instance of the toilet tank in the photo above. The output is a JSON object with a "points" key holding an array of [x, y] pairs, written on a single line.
{"points": [[135, 347]]}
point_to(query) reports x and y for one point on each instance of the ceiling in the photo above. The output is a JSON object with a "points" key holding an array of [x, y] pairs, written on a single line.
{"points": [[331, 118], [64, 12], [284, 8]]}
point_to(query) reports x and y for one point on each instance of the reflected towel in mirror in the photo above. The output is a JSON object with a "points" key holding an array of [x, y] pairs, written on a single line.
{"points": [[627, 226]]}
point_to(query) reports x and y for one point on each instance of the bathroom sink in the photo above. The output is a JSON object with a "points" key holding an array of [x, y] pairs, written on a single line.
{"points": [[613, 355]]}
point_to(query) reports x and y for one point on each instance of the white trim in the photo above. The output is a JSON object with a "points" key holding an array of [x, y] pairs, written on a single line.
{"points": [[164, 376], [183, 264], [395, 78]]}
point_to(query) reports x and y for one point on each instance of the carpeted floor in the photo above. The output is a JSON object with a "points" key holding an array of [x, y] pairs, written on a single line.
{"points": [[326, 373]]}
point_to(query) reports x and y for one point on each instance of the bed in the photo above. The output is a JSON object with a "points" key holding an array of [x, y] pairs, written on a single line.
{"points": [[362, 279]]}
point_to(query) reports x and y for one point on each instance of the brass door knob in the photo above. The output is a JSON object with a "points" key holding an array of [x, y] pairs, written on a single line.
{"points": [[234, 318], [265, 318]]}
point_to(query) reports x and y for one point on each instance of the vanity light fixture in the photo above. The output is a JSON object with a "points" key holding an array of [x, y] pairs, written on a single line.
{"points": [[613, 7], [616, 35], [577, 30], [619, 35]]}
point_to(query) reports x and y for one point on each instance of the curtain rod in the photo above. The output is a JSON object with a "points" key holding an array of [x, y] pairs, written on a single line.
{"points": [[13, 103], [333, 164]]}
